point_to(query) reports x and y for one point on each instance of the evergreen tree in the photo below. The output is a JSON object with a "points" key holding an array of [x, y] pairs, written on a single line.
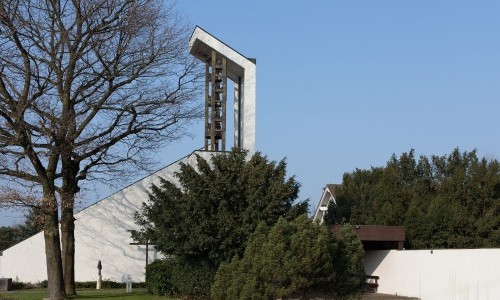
{"points": [[450, 201], [217, 206], [293, 259], [33, 223], [9, 236], [349, 266]]}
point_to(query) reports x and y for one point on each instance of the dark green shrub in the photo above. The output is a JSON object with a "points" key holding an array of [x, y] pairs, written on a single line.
{"points": [[85, 284], [17, 285], [139, 285], [159, 277], [180, 277], [208, 218], [192, 278], [349, 265], [291, 258], [217, 206], [107, 284], [43, 284]]}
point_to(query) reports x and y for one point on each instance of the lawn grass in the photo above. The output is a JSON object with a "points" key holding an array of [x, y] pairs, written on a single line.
{"points": [[115, 294]]}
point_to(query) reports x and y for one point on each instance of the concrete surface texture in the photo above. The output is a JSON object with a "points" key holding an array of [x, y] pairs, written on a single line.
{"points": [[437, 274], [102, 232]]}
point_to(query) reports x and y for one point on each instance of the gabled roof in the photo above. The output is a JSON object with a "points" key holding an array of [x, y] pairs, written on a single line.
{"points": [[327, 196], [333, 187]]}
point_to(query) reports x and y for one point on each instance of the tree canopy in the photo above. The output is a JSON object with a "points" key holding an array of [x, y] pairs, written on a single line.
{"points": [[218, 205], [450, 201], [208, 217], [11, 235], [293, 259]]}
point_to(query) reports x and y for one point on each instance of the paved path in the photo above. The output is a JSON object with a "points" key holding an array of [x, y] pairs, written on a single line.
{"points": [[377, 296]]}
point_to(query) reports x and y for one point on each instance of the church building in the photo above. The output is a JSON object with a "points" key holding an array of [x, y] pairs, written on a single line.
{"points": [[102, 230]]}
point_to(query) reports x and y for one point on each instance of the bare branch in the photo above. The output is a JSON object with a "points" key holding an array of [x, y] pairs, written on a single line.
{"points": [[98, 82]]}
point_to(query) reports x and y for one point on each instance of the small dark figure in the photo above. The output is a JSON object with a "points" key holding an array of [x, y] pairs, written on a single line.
{"points": [[99, 267]]}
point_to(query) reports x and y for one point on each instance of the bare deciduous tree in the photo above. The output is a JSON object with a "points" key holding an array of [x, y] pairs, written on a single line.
{"points": [[86, 87]]}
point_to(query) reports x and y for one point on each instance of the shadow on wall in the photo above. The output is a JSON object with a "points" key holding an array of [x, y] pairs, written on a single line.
{"points": [[436, 274], [102, 231], [373, 259]]}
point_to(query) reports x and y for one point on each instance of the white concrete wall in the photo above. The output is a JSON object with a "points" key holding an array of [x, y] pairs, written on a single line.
{"points": [[437, 275], [25, 260], [248, 103], [101, 233]]}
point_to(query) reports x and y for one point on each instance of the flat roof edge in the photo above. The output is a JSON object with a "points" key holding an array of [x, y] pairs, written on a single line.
{"points": [[375, 232], [199, 28]]}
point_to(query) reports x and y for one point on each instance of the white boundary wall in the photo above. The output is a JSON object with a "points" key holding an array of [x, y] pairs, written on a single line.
{"points": [[437, 274], [101, 233]]}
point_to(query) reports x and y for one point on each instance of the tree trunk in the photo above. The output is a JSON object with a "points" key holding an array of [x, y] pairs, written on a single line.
{"points": [[53, 250], [69, 189], [68, 249]]}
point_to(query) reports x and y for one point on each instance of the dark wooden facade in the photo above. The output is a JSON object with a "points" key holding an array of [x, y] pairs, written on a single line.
{"points": [[376, 237]]}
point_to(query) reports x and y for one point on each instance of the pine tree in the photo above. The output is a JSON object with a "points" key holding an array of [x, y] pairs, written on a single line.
{"points": [[449, 201], [218, 205]]}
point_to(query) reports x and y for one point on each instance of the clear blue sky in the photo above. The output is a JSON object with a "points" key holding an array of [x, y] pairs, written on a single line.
{"points": [[345, 84]]}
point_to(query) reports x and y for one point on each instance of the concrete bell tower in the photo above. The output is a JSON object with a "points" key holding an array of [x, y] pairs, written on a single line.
{"points": [[223, 62]]}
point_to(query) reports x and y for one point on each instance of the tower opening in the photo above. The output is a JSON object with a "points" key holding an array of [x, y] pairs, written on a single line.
{"points": [[222, 63]]}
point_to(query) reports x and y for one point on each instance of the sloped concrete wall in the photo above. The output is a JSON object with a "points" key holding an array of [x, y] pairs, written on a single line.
{"points": [[101, 233], [437, 274], [25, 261]]}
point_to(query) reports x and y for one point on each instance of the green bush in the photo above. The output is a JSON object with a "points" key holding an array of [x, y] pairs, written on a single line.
{"points": [[349, 265], [291, 258], [159, 277], [43, 284], [179, 277], [106, 284], [17, 285]]}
